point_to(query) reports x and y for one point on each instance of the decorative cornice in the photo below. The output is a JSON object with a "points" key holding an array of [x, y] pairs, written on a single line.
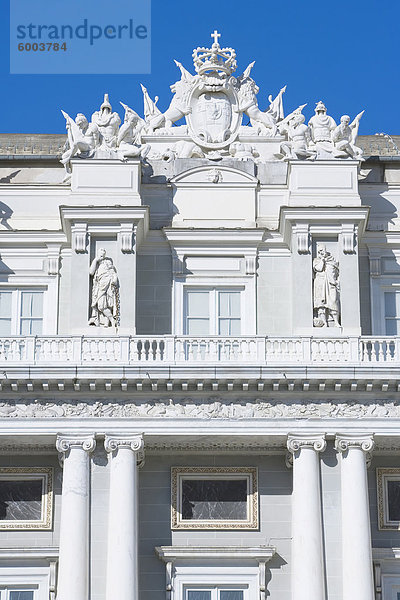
{"points": [[296, 442], [174, 553], [133, 442], [64, 443], [344, 442]]}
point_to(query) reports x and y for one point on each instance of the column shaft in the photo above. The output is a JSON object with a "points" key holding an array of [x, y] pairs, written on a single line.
{"points": [[73, 574], [308, 573], [356, 529], [122, 551]]}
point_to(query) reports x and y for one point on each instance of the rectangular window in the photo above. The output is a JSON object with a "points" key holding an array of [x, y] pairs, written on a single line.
{"points": [[197, 313], [214, 593], [214, 498], [213, 311], [392, 312], [5, 313], [26, 498], [21, 595], [228, 313], [31, 313], [388, 488], [21, 312]]}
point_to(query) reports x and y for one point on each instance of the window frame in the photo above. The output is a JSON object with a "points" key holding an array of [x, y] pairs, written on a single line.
{"points": [[16, 308], [178, 474], [25, 578], [383, 475], [208, 576], [215, 589], [214, 308], [393, 289], [46, 475]]}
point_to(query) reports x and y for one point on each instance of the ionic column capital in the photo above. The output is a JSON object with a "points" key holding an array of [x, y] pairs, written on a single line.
{"points": [[64, 443], [135, 443], [364, 442], [297, 441]]}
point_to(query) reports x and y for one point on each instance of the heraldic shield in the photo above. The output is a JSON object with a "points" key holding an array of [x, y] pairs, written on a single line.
{"points": [[214, 120]]}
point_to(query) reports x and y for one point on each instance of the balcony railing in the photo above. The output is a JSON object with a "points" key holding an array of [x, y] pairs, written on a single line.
{"points": [[81, 350]]}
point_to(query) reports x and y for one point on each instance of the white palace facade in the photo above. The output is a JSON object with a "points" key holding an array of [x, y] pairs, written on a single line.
{"points": [[200, 351]]}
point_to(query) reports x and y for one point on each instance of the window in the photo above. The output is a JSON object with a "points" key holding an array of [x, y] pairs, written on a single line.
{"points": [[212, 312], [216, 572], [388, 484], [390, 587], [214, 498], [392, 312], [26, 498], [214, 593], [17, 594], [21, 312]]}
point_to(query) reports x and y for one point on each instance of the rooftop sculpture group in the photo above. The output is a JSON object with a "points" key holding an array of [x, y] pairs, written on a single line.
{"points": [[213, 103]]}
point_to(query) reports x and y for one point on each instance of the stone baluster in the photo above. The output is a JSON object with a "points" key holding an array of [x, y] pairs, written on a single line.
{"points": [[308, 572], [356, 529], [122, 552], [73, 573]]}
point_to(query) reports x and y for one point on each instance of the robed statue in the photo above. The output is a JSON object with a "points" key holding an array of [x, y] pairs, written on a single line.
{"points": [[105, 291], [326, 289]]}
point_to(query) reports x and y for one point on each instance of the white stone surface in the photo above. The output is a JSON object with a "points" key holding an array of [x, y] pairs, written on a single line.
{"points": [[73, 578], [356, 536], [307, 534], [123, 519]]}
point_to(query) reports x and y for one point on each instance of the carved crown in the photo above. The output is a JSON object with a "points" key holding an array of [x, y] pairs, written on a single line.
{"points": [[221, 60]]}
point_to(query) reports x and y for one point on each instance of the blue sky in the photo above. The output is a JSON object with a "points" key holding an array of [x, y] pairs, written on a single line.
{"points": [[344, 53]]}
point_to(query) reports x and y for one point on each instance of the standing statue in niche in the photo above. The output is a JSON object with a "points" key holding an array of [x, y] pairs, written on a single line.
{"points": [[326, 289], [105, 291]]}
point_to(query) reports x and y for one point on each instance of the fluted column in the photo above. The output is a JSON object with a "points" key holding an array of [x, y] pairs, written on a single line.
{"points": [[122, 551], [356, 529], [308, 573], [73, 572]]}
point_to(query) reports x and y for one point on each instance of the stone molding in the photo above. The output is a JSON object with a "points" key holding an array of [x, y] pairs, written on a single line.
{"points": [[343, 442], [296, 442], [64, 443]]}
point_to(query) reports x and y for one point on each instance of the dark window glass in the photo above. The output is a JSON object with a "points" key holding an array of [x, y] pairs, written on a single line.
{"points": [[21, 595], [393, 490], [231, 595], [199, 595], [20, 501], [214, 499]]}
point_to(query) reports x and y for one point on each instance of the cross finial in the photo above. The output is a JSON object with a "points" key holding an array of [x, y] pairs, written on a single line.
{"points": [[215, 35]]}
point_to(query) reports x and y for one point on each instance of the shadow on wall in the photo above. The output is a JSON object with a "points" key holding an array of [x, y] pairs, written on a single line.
{"points": [[5, 211], [383, 211], [8, 178], [154, 294], [276, 562], [5, 271]]}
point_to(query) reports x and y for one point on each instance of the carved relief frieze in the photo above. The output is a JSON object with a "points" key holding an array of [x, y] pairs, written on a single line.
{"points": [[205, 409]]}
